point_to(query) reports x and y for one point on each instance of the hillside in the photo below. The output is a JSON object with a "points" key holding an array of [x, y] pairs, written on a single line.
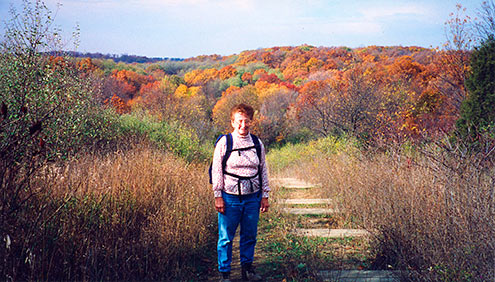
{"points": [[377, 92]]}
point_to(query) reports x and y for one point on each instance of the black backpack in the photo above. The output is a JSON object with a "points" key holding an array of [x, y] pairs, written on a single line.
{"points": [[229, 151]]}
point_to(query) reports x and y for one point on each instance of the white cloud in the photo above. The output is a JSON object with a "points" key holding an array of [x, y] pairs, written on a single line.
{"points": [[390, 11], [166, 3], [341, 26], [355, 27]]}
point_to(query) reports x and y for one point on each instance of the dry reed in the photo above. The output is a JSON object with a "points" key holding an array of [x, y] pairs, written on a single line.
{"points": [[431, 215], [134, 215]]}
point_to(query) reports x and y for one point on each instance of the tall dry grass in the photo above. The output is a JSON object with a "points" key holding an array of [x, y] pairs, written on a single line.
{"points": [[431, 212], [135, 215]]}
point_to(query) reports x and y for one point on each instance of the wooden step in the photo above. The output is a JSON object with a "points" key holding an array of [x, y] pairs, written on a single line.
{"points": [[308, 211], [331, 233], [359, 275], [305, 201], [292, 183]]}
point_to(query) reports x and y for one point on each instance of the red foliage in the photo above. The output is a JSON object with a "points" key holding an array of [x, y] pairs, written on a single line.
{"points": [[130, 82], [248, 77], [270, 78]]}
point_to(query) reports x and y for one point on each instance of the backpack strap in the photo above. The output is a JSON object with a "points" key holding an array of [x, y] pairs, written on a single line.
{"points": [[226, 156], [257, 145], [230, 143]]}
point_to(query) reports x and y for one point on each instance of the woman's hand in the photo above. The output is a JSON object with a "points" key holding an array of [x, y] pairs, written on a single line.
{"points": [[264, 205], [220, 205]]}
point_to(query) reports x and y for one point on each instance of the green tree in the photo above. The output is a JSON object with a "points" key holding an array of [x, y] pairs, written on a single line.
{"points": [[478, 109]]}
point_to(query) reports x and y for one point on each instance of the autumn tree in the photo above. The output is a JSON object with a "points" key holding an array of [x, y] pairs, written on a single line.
{"points": [[360, 103], [172, 101], [456, 56], [126, 83], [198, 77], [230, 98], [315, 109], [247, 77], [274, 121], [347, 103]]}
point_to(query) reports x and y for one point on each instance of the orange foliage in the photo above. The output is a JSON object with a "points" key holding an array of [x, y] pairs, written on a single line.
{"points": [[118, 104], [230, 90], [313, 64], [246, 57], [130, 82], [149, 87], [86, 65], [227, 72], [57, 62], [405, 67]]}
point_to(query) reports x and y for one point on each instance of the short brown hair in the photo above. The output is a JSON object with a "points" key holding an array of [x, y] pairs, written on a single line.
{"points": [[242, 108]]}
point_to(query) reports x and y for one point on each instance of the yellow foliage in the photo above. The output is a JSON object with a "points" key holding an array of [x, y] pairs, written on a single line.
{"points": [[181, 91], [265, 89], [188, 92], [194, 91]]}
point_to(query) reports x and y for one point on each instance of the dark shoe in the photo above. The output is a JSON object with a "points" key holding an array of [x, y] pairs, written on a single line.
{"points": [[248, 273], [225, 277]]}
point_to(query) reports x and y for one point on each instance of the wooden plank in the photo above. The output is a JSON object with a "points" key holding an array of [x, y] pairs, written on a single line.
{"points": [[308, 211], [331, 233], [359, 275], [305, 201]]}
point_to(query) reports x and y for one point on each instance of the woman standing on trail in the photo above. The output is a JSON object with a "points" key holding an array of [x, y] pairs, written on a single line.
{"points": [[240, 186]]}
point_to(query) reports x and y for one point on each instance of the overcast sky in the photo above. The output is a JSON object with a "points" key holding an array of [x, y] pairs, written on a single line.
{"points": [[187, 28]]}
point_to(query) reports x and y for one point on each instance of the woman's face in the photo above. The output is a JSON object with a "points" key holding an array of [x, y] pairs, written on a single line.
{"points": [[241, 123]]}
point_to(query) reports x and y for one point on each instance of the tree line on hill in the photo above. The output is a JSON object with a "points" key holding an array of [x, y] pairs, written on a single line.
{"points": [[125, 58]]}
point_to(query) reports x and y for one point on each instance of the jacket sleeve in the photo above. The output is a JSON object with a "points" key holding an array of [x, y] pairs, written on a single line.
{"points": [[216, 167], [265, 187]]}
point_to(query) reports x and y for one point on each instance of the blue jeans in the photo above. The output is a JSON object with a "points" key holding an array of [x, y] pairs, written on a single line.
{"points": [[244, 211]]}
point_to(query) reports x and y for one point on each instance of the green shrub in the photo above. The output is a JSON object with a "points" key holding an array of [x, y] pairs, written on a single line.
{"points": [[167, 136], [294, 154], [478, 109]]}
